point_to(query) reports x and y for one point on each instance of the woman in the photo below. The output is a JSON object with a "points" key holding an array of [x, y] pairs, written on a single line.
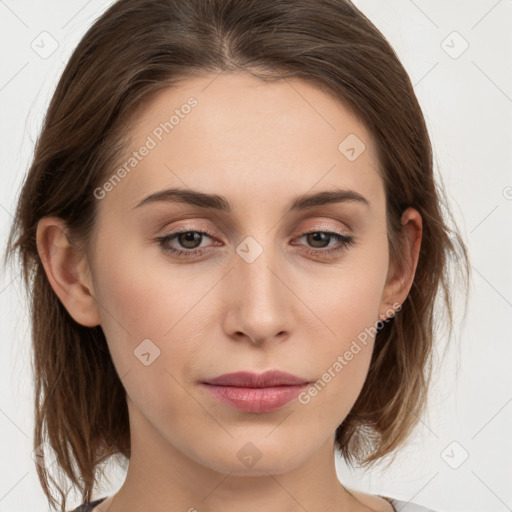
{"points": [[233, 240]]}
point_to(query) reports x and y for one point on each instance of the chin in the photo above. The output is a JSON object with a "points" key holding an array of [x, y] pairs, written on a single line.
{"points": [[259, 457]]}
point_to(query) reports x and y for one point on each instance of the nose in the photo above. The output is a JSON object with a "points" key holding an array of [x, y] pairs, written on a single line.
{"points": [[259, 308]]}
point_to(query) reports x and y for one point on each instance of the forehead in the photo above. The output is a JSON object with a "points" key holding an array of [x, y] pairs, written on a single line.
{"points": [[241, 136]]}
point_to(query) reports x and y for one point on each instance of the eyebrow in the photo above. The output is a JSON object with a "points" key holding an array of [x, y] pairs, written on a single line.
{"points": [[220, 203]]}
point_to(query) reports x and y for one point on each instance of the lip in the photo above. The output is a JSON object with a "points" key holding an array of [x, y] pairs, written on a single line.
{"points": [[253, 392]]}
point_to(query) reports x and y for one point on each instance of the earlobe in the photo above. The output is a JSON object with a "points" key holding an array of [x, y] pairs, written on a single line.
{"points": [[67, 271], [401, 276]]}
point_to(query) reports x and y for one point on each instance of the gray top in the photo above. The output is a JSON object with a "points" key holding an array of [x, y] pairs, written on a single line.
{"points": [[399, 506], [407, 506]]}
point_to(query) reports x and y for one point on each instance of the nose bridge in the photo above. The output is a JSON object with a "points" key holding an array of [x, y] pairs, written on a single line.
{"points": [[259, 299]]}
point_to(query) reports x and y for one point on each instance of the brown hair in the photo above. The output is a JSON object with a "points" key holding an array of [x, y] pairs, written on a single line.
{"points": [[138, 47]]}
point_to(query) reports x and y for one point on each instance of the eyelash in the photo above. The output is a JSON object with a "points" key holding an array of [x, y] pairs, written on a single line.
{"points": [[344, 242]]}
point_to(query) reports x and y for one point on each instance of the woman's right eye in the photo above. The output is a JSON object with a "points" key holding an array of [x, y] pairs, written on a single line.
{"points": [[189, 242]]}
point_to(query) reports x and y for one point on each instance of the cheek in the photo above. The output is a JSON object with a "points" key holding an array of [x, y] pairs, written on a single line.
{"points": [[141, 291], [350, 311], [146, 314], [342, 362], [143, 300], [350, 297]]}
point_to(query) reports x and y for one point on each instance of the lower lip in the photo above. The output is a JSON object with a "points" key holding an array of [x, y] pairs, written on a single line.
{"points": [[255, 399]]}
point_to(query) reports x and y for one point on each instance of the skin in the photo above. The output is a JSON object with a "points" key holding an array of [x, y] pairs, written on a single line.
{"points": [[260, 145]]}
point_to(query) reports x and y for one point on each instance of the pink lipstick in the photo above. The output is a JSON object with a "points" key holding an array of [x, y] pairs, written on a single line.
{"points": [[253, 392]]}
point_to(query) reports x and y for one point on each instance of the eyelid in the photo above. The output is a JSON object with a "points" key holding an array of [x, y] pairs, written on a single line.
{"points": [[186, 228], [327, 226]]}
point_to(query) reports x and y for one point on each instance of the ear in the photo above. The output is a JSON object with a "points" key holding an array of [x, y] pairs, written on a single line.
{"points": [[401, 274], [68, 271]]}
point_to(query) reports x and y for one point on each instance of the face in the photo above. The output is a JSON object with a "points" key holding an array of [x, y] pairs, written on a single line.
{"points": [[262, 276]]}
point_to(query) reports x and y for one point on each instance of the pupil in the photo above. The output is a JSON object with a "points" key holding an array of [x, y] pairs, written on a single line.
{"points": [[190, 237], [319, 237]]}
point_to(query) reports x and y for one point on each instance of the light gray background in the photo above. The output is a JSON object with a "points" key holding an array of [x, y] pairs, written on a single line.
{"points": [[467, 101]]}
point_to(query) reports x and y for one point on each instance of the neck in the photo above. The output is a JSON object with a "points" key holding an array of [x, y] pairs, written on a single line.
{"points": [[162, 478]]}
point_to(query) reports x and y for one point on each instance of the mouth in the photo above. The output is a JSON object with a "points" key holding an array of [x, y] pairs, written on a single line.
{"points": [[253, 392]]}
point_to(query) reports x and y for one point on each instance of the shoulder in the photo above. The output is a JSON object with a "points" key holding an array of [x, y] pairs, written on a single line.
{"points": [[385, 504], [88, 507], [374, 502], [407, 506]]}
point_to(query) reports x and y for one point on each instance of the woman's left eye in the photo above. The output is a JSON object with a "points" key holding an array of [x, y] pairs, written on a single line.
{"points": [[190, 242], [320, 237]]}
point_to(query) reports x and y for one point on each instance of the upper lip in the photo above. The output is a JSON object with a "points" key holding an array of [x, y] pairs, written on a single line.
{"points": [[267, 379]]}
